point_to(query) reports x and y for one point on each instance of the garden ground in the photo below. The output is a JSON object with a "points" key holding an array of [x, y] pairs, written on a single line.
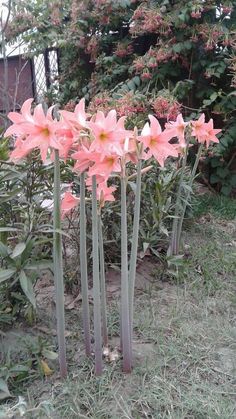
{"points": [[184, 341]]}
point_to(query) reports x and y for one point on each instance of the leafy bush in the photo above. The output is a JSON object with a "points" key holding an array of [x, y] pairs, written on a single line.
{"points": [[25, 233]]}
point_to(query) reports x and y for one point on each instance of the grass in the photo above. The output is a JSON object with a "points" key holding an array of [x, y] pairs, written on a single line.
{"points": [[217, 205], [185, 341]]}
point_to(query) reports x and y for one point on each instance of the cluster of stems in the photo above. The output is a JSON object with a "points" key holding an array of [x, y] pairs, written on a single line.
{"points": [[182, 200]]}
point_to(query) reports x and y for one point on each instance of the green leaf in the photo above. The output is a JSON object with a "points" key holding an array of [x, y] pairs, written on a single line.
{"points": [[6, 274], [19, 369], [27, 287], [233, 181], [222, 172], [42, 264], [20, 247], [136, 80], [225, 141], [49, 354], [177, 47], [3, 229], [3, 250], [214, 178], [215, 162], [4, 390], [226, 190]]}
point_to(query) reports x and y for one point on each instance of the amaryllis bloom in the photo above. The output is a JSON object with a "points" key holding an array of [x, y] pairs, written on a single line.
{"points": [[157, 141], [19, 119], [210, 135], [105, 193], [198, 127], [19, 151], [99, 179], [37, 129], [177, 128], [105, 166], [84, 159], [108, 133], [77, 119], [68, 203]]}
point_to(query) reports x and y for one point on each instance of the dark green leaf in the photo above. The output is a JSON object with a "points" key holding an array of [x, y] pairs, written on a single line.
{"points": [[27, 287], [20, 247], [6, 274]]}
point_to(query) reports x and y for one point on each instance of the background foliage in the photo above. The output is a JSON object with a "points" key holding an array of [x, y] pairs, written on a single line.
{"points": [[146, 56]]}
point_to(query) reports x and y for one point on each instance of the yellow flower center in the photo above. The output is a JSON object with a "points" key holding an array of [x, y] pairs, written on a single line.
{"points": [[45, 132], [153, 141], [103, 136], [110, 161]]}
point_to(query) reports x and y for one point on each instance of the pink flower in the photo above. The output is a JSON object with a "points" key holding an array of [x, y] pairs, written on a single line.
{"points": [[41, 133], [84, 159], [157, 141], [177, 129], [68, 203], [19, 151], [20, 120], [77, 119], [210, 134], [37, 130], [105, 193], [105, 166], [198, 127], [108, 132]]}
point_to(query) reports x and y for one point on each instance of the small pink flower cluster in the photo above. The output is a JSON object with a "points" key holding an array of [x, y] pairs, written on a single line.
{"points": [[128, 105], [99, 144], [197, 12], [123, 50], [166, 107], [153, 57], [149, 20]]}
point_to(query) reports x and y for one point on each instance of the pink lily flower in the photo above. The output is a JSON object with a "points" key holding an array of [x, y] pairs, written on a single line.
{"points": [[77, 120], [105, 166], [157, 141], [68, 203], [20, 120], [198, 127], [210, 135], [37, 130], [84, 159], [105, 193], [108, 133], [42, 132], [177, 128], [20, 150]]}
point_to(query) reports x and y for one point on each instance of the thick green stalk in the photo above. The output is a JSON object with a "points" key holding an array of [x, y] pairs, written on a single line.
{"points": [[125, 319], [83, 268], [103, 282], [193, 173], [58, 268], [173, 245], [96, 283], [134, 246]]}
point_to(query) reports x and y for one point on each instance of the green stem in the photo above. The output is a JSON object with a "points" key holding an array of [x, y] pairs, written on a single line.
{"points": [[193, 173], [58, 268], [96, 283], [125, 319], [173, 245], [134, 246], [103, 282], [83, 268]]}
